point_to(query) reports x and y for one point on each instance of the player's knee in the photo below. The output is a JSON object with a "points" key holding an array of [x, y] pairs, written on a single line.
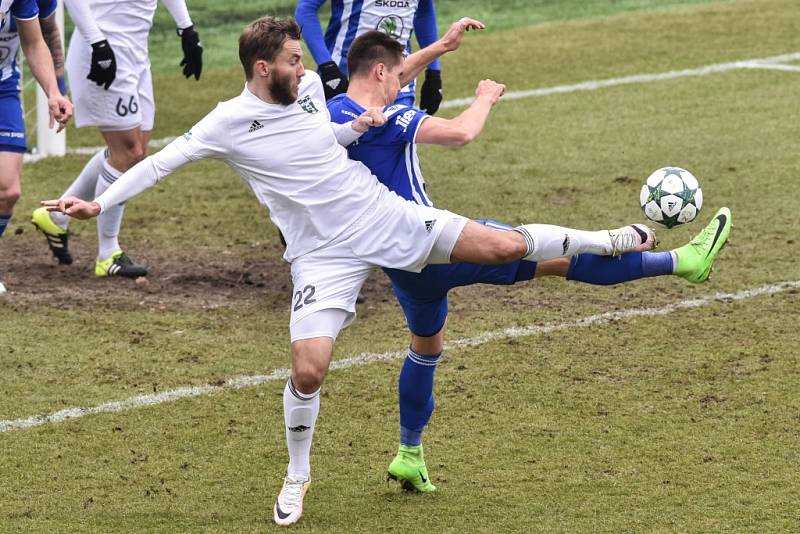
{"points": [[510, 247], [10, 194], [307, 377]]}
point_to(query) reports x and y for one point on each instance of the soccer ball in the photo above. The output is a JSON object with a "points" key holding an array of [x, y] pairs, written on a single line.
{"points": [[671, 196]]}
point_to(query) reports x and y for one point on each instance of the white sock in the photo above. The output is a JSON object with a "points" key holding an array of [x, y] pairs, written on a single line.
{"points": [[84, 185], [108, 222], [547, 242], [300, 414]]}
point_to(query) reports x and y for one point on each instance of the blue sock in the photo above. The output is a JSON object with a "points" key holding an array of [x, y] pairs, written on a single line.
{"points": [[416, 396], [610, 270], [4, 219]]}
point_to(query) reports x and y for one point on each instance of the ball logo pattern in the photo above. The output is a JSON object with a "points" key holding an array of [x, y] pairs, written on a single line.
{"points": [[671, 196]]}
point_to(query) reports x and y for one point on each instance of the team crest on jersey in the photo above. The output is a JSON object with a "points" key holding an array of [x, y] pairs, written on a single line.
{"points": [[391, 25], [308, 105]]}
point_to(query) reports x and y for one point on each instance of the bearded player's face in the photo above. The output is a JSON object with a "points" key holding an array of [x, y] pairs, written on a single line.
{"points": [[286, 72]]}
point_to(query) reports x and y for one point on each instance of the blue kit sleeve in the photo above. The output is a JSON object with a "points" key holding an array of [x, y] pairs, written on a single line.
{"points": [[425, 28], [307, 18]]}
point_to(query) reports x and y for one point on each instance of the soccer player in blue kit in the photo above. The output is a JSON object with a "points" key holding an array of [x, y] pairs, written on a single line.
{"points": [[31, 25], [351, 18], [376, 65]]}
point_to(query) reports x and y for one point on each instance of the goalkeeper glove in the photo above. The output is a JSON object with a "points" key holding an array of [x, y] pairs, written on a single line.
{"points": [[192, 61], [104, 64], [431, 94], [333, 81]]}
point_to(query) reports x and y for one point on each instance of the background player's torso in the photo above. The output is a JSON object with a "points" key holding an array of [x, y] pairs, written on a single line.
{"points": [[125, 23], [9, 44], [349, 19]]}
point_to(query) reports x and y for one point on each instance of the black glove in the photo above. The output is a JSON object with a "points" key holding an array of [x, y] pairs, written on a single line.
{"points": [[192, 61], [431, 95], [333, 81], [104, 64]]}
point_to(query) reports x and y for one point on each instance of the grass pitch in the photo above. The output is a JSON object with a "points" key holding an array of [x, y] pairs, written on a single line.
{"points": [[685, 422]]}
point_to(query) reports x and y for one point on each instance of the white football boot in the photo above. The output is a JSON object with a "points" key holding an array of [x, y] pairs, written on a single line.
{"points": [[289, 505]]}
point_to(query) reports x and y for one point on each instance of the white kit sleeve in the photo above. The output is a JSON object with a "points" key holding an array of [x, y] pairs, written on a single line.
{"points": [[179, 12], [209, 138], [345, 134], [81, 13], [142, 176]]}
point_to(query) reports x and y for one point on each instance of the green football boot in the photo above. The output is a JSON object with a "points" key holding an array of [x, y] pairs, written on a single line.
{"points": [[57, 237], [119, 264], [408, 468], [696, 258]]}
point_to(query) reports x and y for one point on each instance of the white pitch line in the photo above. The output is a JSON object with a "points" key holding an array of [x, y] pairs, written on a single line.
{"points": [[368, 357], [772, 62], [593, 85]]}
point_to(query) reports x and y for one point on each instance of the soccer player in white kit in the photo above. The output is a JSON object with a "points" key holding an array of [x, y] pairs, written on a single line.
{"points": [[109, 72], [338, 220]]}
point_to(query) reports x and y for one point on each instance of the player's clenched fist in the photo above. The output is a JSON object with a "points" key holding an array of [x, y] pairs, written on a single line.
{"points": [[60, 109], [104, 64], [370, 118], [490, 89]]}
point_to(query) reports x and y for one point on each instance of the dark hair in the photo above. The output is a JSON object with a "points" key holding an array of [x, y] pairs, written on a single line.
{"points": [[371, 48], [263, 39]]}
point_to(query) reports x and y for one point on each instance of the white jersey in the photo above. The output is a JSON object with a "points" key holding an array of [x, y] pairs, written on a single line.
{"points": [[124, 23], [290, 158]]}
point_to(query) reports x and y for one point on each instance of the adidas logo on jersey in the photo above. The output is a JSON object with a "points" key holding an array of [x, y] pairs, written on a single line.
{"points": [[429, 225], [255, 126]]}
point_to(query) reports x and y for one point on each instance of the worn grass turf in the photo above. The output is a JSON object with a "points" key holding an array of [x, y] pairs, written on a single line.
{"points": [[679, 423]]}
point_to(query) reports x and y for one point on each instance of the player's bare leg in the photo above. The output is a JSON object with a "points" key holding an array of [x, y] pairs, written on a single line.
{"points": [[537, 242], [126, 149], [310, 361], [10, 188]]}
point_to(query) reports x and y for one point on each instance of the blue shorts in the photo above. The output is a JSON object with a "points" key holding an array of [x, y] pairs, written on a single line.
{"points": [[12, 123], [423, 296]]}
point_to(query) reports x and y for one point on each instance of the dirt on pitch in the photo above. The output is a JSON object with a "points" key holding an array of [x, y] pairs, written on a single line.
{"points": [[197, 279]]}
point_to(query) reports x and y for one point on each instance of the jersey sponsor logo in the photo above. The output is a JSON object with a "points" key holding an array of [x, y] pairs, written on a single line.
{"points": [[391, 25], [348, 113], [308, 105], [405, 119], [188, 135], [255, 125], [391, 3]]}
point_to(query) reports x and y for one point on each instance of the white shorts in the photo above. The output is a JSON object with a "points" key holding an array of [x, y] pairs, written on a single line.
{"points": [[127, 104], [394, 233]]}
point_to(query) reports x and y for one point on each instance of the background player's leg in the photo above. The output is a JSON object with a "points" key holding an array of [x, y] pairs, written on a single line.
{"points": [[10, 185], [84, 185], [537, 242], [126, 149]]}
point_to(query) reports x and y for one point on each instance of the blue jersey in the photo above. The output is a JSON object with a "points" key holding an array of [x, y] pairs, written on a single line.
{"points": [[390, 151], [9, 38], [351, 18]]}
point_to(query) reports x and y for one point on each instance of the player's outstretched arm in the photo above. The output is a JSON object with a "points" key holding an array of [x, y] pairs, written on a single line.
{"points": [[192, 61], [41, 65], [464, 128], [450, 41]]}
